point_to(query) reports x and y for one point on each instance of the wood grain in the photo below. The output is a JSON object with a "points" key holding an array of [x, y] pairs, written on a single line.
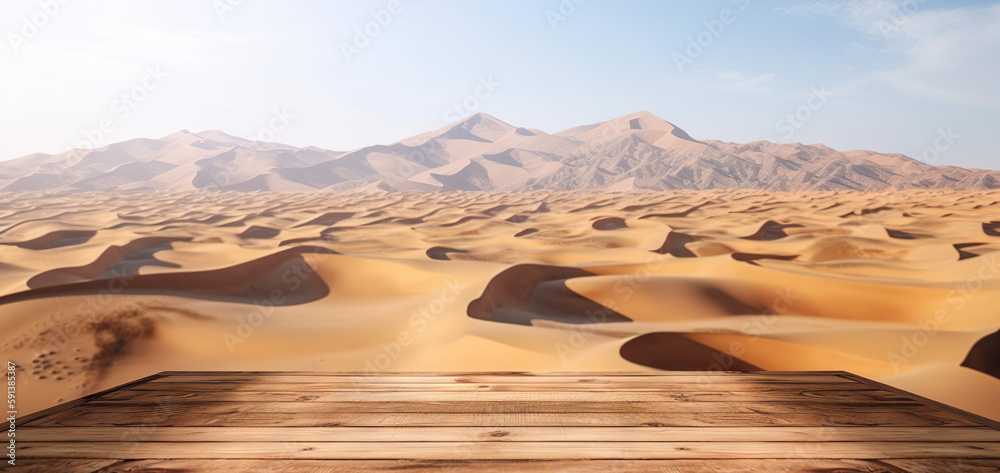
{"points": [[637, 450], [508, 397], [604, 386], [479, 378], [958, 465], [247, 417], [548, 422], [510, 434], [23, 465], [541, 466]]}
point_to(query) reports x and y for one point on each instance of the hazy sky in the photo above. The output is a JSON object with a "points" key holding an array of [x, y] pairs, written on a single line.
{"points": [[892, 76]]}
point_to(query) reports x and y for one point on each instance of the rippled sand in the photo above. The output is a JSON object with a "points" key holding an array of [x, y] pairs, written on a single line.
{"points": [[99, 289]]}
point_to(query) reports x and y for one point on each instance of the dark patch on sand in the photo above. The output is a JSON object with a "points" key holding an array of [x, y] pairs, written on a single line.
{"points": [[528, 292], [674, 245], [115, 334], [676, 352], [985, 356], [609, 223], [771, 231], [441, 252], [283, 278]]}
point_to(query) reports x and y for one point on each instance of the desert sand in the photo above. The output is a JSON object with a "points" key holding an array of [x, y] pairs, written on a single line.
{"points": [[98, 289]]}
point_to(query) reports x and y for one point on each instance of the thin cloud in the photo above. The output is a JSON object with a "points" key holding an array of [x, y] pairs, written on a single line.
{"points": [[175, 45], [863, 15], [951, 53], [738, 81]]}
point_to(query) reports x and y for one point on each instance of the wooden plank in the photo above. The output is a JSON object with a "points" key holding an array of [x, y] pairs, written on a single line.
{"points": [[508, 434], [508, 397], [923, 400], [476, 387], [59, 466], [962, 465], [678, 379], [25, 420], [169, 404], [257, 421], [508, 450], [164, 404], [543, 466], [506, 374], [244, 415]]}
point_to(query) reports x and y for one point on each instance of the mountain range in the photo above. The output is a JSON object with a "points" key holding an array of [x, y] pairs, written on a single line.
{"points": [[481, 153]]}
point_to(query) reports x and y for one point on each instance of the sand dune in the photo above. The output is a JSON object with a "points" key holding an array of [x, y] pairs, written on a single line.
{"points": [[99, 288], [526, 293], [246, 282]]}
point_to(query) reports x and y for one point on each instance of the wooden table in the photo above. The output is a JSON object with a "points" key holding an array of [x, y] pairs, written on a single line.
{"points": [[296, 422]]}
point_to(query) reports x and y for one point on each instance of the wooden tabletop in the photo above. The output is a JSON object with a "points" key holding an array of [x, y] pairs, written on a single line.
{"points": [[311, 422]]}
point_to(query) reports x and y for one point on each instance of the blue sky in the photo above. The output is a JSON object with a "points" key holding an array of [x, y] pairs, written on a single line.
{"points": [[892, 76]]}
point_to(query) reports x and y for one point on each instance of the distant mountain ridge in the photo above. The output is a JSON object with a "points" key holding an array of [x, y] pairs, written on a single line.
{"points": [[481, 153]]}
